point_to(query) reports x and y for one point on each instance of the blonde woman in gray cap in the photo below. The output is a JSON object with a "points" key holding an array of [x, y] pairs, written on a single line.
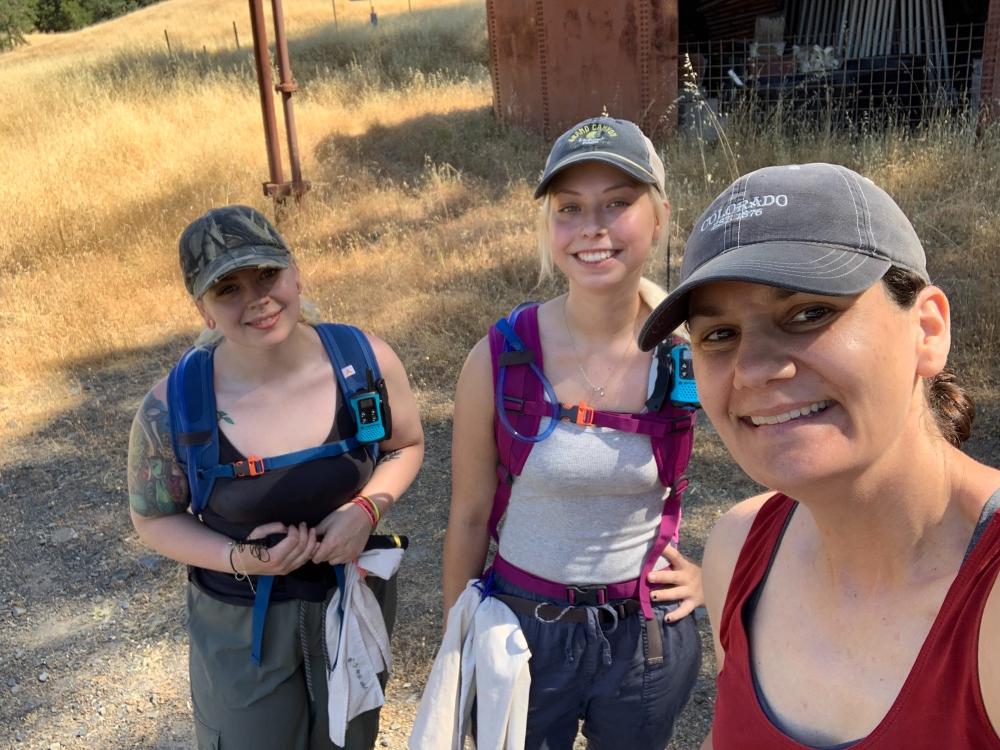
{"points": [[255, 464], [567, 431], [855, 605]]}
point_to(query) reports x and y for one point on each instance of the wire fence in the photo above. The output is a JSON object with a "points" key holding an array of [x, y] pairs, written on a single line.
{"points": [[834, 79]]}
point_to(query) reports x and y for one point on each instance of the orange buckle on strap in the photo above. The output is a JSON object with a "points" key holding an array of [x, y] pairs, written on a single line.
{"points": [[252, 467], [581, 414]]}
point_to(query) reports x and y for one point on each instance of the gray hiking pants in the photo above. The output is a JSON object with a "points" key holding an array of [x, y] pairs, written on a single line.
{"points": [[283, 702]]}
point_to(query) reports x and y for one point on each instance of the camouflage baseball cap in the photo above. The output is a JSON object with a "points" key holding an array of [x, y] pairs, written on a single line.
{"points": [[227, 239]]}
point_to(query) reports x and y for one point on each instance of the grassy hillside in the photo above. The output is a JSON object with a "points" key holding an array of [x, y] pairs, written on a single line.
{"points": [[122, 145], [417, 190], [419, 227]]}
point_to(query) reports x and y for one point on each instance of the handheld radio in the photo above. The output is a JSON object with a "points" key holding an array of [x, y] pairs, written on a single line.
{"points": [[371, 411], [683, 390]]}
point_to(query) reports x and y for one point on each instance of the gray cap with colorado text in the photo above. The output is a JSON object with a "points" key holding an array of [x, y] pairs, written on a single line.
{"points": [[227, 239], [817, 228]]}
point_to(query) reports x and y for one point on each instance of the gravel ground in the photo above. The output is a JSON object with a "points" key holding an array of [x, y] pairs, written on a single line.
{"points": [[93, 653]]}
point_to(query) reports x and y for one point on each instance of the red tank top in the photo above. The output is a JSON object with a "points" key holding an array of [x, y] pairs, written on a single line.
{"points": [[940, 705]]}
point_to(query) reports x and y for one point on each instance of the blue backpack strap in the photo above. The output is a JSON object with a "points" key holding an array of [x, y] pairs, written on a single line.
{"points": [[261, 600], [352, 357], [255, 465], [194, 431], [194, 427]]}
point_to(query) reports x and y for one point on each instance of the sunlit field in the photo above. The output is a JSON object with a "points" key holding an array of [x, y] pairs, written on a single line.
{"points": [[419, 227], [417, 191]]}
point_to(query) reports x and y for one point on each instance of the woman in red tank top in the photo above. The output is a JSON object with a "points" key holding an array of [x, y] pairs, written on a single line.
{"points": [[855, 607]]}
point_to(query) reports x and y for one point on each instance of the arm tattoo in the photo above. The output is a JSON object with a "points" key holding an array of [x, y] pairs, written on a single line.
{"points": [[390, 456], [223, 417], [157, 485]]}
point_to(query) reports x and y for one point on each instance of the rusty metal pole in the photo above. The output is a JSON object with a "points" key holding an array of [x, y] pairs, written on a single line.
{"points": [[263, 61], [287, 87]]}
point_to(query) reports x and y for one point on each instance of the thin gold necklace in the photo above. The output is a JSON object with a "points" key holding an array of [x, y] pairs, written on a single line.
{"points": [[599, 391]]}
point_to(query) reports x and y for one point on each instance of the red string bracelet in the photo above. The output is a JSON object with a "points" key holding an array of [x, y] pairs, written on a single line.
{"points": [[361, 504], [373, 506]]}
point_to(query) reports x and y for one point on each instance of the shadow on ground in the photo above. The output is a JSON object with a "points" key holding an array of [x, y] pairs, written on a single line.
{"points": [[93, 606], [471, 142]]}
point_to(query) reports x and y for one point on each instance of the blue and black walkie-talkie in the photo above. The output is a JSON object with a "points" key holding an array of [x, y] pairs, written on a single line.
{"points": [[371, 411], [683, 390]]}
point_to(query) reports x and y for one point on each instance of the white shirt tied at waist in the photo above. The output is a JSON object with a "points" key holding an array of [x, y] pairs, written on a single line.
{"points": [[361, 634], [483, 656]]}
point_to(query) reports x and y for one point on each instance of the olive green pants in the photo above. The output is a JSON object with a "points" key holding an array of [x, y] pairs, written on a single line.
{"points": [[283, 702]]}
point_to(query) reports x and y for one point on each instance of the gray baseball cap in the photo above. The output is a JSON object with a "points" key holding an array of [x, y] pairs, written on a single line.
{"points": [[818, 228], [619, 143], [227, 239]]}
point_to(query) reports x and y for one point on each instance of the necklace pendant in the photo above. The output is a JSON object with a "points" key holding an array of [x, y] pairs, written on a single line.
{"points": [[599, 391]]}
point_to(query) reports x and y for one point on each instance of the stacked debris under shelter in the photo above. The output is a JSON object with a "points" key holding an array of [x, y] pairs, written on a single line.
{"points": [[859, 60], [664, 62]]}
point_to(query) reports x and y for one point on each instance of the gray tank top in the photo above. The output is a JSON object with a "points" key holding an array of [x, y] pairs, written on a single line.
{"points": [[586, 508]]}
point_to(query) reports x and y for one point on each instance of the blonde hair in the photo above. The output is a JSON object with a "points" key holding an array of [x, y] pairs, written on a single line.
{"points": [[546, 266], [308, 314]]}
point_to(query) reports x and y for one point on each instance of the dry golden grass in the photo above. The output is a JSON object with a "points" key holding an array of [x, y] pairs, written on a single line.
{"points": [[124, 147], [419, 227], [198, 24], [417, 191]]}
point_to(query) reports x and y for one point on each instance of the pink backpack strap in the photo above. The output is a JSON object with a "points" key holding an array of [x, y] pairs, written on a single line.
{"points": [[671, 432], [671, 448], [520, 385], [654, 426], [672, 451]]}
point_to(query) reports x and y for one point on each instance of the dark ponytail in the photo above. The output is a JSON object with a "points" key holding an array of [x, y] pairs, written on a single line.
{"points": [[953, 409]]}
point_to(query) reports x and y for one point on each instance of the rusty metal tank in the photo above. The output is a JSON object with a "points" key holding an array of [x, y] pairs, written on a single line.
{"points": [[991, 66], [556, 62]]}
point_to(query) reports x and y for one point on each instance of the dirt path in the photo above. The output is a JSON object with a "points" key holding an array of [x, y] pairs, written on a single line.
{"points": [[93, 653], [94, 648]]}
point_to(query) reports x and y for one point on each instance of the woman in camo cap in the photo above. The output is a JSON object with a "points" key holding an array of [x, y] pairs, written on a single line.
{"points": [[276, 394]]}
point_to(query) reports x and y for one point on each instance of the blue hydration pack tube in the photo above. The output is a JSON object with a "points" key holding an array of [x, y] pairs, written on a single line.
{"points": [[674, 378], [194, 430], [513, 343]]}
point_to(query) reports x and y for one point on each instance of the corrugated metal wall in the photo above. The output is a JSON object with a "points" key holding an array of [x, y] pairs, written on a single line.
{"points": [[556, 62]]}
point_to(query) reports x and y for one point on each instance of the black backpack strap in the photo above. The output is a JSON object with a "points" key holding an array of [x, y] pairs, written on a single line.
{"points": [[664, 369]]}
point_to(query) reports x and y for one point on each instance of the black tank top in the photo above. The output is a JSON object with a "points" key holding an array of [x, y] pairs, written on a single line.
{"points": [[305, 492]]}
